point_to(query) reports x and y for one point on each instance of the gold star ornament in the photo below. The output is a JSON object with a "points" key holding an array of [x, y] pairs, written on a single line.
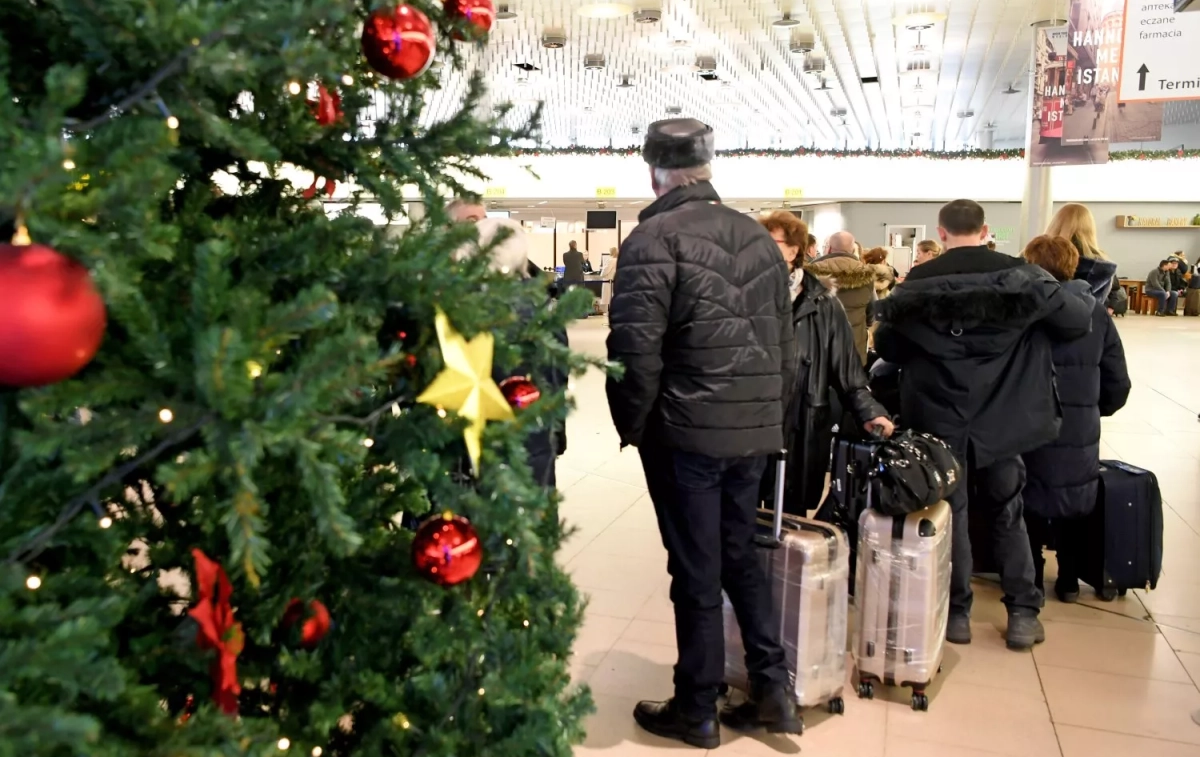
{"points": [[465, 385]]}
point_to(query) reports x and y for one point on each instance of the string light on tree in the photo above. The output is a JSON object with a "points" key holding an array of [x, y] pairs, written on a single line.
{"points": [[172, 123], [68, 165], [165, 415], [106, 522], [284, 744], [33, 583], [294, 88]]}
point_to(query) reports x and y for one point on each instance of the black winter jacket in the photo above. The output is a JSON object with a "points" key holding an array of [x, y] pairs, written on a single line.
{"points": [[701, 320], [1063, 476], [972, 331], [826, 358]]}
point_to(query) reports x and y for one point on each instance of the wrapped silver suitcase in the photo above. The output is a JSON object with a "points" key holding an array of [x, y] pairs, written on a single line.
{"points": [[807, 563], [903, 599]]}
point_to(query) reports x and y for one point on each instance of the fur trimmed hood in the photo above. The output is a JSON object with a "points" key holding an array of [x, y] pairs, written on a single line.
{"points": [[1010, 297], [1098, 274], [840, 270]]}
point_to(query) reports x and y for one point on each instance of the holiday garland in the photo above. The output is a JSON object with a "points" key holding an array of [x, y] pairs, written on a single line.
{"points": [[1011, 154]]}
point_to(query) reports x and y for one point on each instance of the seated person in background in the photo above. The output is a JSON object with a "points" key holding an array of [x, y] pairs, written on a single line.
{"points": [[1179, 281], [1063, 477], [587, 263], [1158, 287], [972, 334]]}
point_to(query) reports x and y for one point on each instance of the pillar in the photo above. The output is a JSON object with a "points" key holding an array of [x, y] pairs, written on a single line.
{"points": [[1037, 203]]}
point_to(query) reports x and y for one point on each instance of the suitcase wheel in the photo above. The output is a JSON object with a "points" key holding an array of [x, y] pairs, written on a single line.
{"points": [[866, 690], [1106, 594], [1122, 592], [920, 702], [837, 706]]}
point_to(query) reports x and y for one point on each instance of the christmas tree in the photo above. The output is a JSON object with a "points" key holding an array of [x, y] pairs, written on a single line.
{"points": [[251, 501]]}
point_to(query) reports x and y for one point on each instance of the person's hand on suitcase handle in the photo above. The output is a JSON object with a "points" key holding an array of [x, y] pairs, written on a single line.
{"points": [[881, 427]]}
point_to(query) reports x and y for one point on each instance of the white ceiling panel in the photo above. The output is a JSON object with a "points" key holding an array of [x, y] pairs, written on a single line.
{"points": [[897, 86]]}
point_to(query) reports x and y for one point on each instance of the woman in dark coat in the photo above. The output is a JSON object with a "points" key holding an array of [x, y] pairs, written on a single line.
{"points": [[1063, 477], [827, 360]]}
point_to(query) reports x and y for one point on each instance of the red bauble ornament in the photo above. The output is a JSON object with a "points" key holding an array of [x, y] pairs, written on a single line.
{"points": [[51, 316], [478, 13], [1179, 153], [315, 627], [399, 42], [447, 550], [327, 108], [520, 391]]}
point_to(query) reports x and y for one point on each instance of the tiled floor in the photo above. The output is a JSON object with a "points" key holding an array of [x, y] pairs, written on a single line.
{"points": [[1112, 679]]}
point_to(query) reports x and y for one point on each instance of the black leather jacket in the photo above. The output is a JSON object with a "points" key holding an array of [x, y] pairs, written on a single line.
{"points": [[826, 359]]}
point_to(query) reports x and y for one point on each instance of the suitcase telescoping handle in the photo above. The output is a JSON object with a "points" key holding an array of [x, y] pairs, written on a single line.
{"points": [[780, 489]]}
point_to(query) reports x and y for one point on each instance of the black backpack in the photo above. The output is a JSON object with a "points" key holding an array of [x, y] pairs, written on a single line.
{"points": [[914, 471]]}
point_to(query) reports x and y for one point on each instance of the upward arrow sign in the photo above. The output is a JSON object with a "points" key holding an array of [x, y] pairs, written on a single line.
{"points": [[1142, 77]]}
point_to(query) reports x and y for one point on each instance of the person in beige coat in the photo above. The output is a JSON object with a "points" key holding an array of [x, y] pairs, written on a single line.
{"points": [[852, 281]]}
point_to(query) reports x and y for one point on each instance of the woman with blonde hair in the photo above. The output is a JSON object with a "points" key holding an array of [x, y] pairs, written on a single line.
{"points": [[1092, 381], [1075, 223]]}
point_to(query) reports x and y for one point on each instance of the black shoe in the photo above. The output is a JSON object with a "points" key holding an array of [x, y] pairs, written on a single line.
{"points": [[770, 707], [1066, 591], [1024, 630], [663, 719], [958, 629]]}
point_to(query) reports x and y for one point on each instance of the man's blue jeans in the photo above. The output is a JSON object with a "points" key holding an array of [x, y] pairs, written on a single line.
{"points": [[1168, 302]]}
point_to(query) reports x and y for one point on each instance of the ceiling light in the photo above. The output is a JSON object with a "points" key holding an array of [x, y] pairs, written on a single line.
{"points": [[647, 16], [593, 62], [505, 13], [625, 83], [786, 22], [966, 114], [814, 64], [801, 42], [605, 9], [1010, 90], [920, 16], [554, 39]]}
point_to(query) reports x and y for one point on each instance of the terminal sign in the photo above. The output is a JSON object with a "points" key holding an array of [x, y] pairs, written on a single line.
{"points": [[495, 192], [1160, 53], [606, 191], [792, 193]]}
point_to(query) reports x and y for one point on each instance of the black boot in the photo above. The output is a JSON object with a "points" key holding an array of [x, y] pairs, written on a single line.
{"points": [[770, 706], [958, 629], [663, 719], [1067, 590], [1024, 630]]}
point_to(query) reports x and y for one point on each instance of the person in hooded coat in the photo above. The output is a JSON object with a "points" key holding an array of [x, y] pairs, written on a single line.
{"points": [[826, 359], [972, 332], [1063, 476], [852, 281]]}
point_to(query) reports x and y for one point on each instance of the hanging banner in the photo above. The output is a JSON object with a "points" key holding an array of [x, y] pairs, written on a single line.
{"points": [[1053, 71], [1160, 53], [1093, 113]]}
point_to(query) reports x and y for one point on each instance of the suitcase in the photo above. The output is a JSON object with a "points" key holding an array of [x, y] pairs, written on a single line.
{"points": [[1191, 302], [1122, 540], [807, 564], [848, 484], [903, 599]]}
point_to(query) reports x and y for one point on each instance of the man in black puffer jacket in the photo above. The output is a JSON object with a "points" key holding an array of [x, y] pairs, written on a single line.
{"points": [[972, 331], [701, 319]]}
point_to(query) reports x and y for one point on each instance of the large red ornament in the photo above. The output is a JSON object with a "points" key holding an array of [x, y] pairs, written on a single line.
{"points": [[447, 550], [218, 630], [315, 627], [478, 13], [520, 391], [327, 108], [399, 42], [51, 316]]}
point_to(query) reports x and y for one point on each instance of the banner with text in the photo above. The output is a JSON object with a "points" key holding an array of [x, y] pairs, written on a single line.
{"points": [[1160, 54], [1092, 112], [1051, 84]]}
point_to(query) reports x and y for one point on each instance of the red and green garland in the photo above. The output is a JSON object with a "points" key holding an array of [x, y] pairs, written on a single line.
{"points": [[1013, 154]]}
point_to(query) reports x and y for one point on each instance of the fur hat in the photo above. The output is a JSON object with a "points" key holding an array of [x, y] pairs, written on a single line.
{"points": [[678, 143], [509, 256]]}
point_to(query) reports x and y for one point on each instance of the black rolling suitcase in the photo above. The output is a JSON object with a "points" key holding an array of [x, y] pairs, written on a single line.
{"points": [[1122, 540], [848, 489]]}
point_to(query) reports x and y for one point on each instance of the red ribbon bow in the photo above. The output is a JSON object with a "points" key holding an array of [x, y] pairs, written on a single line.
{"points": [[218, 631]]}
